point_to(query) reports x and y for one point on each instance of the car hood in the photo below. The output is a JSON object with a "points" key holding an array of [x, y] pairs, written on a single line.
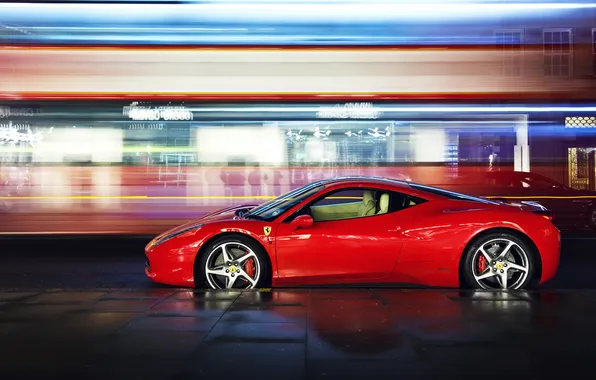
{"points": [[224, 214]]}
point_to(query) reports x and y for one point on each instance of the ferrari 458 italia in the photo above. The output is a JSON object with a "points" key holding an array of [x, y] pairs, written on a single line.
{"points": [[361, 231]]}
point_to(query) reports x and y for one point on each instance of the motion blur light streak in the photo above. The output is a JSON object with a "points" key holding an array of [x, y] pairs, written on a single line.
{"points": [[163, 112], [281, 11], [281, 23], [139, 197], [411, 109], [248, 72]]}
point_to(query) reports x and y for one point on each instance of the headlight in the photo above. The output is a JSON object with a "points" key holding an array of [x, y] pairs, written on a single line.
{"points": [[167, 237]]}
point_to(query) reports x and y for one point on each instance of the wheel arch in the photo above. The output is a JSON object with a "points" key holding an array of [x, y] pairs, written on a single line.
{"points": [[210, 240], [520, 235]]}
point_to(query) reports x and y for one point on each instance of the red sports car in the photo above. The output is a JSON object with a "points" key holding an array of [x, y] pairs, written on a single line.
{"points": [[361, 230]]}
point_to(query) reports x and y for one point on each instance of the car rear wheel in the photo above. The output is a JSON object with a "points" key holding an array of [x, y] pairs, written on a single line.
{"points": [[499, 261], [232, 262]]}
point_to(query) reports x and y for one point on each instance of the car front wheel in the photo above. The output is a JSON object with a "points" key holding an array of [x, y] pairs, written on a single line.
{"points": [[232, 262], [499, 261]]}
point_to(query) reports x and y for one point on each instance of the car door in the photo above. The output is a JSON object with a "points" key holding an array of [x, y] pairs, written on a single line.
{"points": [[352, 239]]}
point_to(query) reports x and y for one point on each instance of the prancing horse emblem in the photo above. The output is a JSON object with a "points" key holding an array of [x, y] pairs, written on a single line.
{"points": [[267, 230]]}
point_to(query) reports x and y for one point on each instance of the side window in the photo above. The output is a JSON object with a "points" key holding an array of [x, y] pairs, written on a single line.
{"points": [[359, 203], [343, 204], [341, 197]]}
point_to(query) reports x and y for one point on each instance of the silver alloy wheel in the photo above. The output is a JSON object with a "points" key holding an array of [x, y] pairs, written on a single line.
{"points": [[232, 265], [507, 265]]}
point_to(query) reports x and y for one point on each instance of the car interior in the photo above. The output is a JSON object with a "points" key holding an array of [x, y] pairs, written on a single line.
{"points": [[368, 203]]}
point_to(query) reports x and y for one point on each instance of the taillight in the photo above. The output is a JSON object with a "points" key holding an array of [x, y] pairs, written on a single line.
{"points": [[546, 214]]}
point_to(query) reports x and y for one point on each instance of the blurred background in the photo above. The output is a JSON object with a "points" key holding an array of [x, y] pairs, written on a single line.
{"points": [[133, 117]]}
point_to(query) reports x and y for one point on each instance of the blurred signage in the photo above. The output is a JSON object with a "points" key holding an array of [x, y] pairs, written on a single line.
{"points": [[580, 122], [15, 137], [14, 133], [359, 110], [15, 126], [153, 127], [167, 113], [6, 111]]}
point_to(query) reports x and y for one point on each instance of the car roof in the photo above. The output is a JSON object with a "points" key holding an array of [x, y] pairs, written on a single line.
{"points": [[429, 192], [363, 180]]}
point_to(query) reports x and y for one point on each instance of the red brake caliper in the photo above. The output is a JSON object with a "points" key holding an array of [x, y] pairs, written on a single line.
{"points": [[482, 264], [249, 267]]}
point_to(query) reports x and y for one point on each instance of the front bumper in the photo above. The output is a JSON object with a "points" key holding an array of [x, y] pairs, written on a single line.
{"points": [[170, 266], [148, 269]]}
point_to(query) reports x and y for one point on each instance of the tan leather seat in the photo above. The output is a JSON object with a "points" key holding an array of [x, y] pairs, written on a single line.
{"points": [[368, 205], [383, 204]]}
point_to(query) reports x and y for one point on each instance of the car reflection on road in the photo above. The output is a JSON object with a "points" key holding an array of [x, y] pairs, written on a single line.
{"points": [[364, 323]]}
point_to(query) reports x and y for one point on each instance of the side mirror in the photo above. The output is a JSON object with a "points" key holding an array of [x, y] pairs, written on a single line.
{"points": [[302, 221]]}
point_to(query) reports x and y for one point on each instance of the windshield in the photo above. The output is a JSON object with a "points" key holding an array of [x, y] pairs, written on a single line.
{"points": [[275, 207], [451, 194]]}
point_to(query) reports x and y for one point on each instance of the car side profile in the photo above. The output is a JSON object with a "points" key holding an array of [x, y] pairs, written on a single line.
{"points": [[361, 230]]}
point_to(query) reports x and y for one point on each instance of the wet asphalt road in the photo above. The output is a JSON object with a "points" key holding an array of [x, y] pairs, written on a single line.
{"points": [[114, 263], [110, 322]]}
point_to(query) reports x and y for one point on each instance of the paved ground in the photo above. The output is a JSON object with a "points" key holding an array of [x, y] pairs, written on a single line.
{"points": [[353, 334], [97, 328]]}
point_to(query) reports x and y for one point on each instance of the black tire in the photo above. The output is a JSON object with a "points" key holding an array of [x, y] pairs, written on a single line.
{"points": [[522, 249], [264, 277]]}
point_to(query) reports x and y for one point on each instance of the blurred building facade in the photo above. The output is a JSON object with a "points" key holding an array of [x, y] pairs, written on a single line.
{"points": [[172, 113]]}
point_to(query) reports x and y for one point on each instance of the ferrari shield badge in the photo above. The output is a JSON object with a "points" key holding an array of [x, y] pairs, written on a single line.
{"points": [[267, 230]]}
